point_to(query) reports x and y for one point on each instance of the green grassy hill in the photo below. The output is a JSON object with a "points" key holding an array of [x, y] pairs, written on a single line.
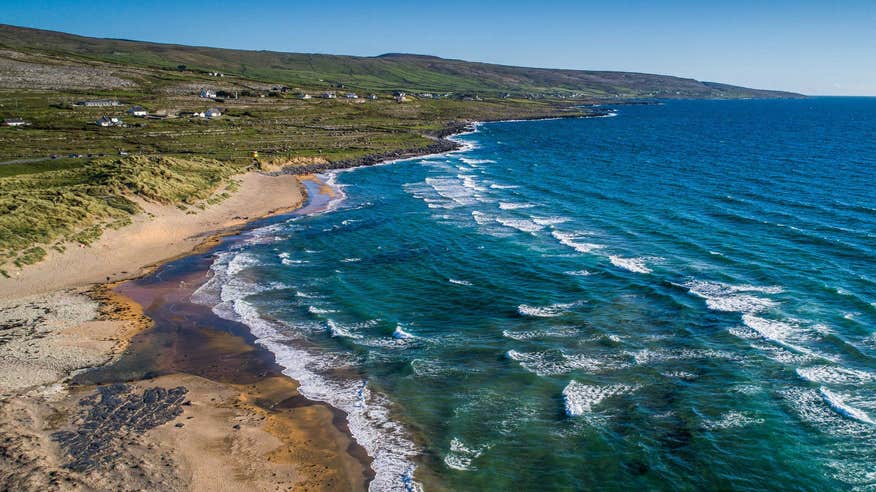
{"points": [[413, 73]]}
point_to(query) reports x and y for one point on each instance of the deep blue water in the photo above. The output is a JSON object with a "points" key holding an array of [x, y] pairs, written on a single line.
{"points": [[681, 297]]}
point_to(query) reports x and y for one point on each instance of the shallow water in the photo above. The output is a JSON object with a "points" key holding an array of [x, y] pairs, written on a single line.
{"points": [[679, 297]]}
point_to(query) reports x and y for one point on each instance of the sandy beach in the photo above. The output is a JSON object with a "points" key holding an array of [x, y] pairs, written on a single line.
{"points": [[161, 233], [59, 430]]}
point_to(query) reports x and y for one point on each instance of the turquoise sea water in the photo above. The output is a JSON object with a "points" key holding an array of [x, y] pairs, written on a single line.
{"points": [[681, 297]]}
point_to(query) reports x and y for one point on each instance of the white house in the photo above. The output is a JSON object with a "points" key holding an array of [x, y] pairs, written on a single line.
{"points": [[99, 103], [109, 121], [373, 97], [305, 96], [14, 122], [212, 113], [351, 95], [138, 111], [328, 95], [208, 93]]}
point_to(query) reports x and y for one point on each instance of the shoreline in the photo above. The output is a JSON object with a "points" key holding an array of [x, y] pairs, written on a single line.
{"points": [[57, 394], [160, 234]]}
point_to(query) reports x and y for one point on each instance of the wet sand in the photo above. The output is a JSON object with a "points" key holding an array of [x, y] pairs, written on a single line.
{"points": [[225, 417]]}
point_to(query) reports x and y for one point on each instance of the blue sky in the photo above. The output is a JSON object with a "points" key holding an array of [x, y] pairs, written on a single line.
{"points": [[815, 47]]}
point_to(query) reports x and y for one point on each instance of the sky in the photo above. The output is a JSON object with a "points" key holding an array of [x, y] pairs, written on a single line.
{"points": [[815, 47]]}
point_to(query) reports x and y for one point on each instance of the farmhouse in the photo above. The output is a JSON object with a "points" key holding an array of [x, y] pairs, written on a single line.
{"points": [[328, 95], [208, 93], [212, 113], [96, 103], [138, 111], [106, 121], [14, 122], [372, 97], [305, 96], [351, 95]]}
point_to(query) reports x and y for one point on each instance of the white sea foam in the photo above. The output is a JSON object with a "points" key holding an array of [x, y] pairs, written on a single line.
{"points": [[784, 333], [523, 225], [241, 261], [338, 330], [475, 162], [547, 221], [451, 189], [733, 298], [351, 260], [571, 240], [838, 404], [481, 218], [460, 456], [287, 261], [580, 398], [469, 182], [834, 375], [554, 362], [401, 334], [636, 265], [648, 356], [459, 282], [579, 273], [384, 440], [815, 408], [730, 420], [514, 206], [503, 187], [550, 311], [316, 310], [687, 376], [555, 332]]}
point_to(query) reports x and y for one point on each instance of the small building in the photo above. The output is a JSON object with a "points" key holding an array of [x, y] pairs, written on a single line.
{"points": [[351, 95], [328, 95], [305, 96], [106, 121], [372, 97], [98, 103], [426, 95], [212, 113], [138, 111], [14, 122], [208, 93]]}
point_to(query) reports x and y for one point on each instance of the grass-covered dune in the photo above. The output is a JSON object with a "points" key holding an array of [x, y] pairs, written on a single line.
{"points": [[73, 205]]}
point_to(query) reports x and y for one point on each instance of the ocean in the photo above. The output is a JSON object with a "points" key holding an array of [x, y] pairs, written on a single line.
{"points": [[679, 297]]}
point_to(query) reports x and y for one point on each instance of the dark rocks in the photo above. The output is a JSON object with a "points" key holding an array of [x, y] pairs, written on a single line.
{"points": [[111, 415], [441, 145]]}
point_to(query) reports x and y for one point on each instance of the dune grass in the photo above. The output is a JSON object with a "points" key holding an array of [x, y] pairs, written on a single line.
{"points": [[55, 207]]}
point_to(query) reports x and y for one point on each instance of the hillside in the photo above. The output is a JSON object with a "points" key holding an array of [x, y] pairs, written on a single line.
{"points": [[415, 73]]}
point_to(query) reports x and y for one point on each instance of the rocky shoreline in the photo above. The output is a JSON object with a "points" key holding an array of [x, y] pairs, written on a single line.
{"points": [[441, 145]]}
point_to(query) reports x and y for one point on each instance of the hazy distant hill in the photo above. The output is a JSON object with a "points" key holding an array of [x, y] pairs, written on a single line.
{"points": [[414, 73]]}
